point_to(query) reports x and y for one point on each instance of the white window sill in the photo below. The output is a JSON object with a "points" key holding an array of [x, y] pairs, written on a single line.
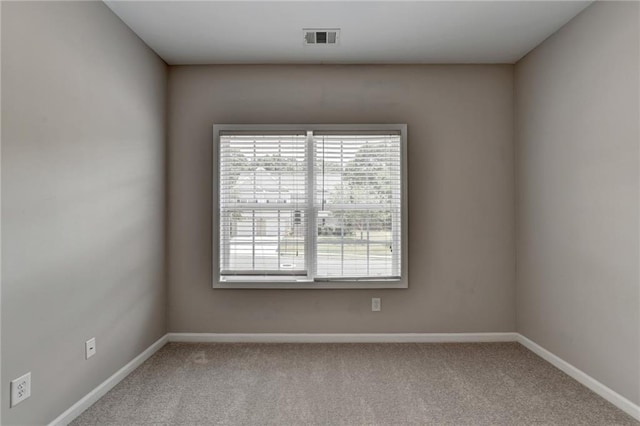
{"points": [[305, 284]]}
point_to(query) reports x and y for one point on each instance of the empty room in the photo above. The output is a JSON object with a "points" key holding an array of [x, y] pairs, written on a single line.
{"points": [[320, 213]]}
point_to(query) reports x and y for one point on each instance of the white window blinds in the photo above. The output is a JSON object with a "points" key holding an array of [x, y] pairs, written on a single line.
{"points": [[358, 204], [313, 205], [263, 204]]}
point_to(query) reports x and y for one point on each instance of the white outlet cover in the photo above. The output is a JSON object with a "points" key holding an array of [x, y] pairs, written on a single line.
{"points": [[20, 389], [375, 304], [90, 347]]}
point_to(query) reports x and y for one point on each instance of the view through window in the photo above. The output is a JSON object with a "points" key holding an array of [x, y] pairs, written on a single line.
{"points": [[310, 205]]}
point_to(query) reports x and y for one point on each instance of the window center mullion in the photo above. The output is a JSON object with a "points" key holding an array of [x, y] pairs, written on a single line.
{"points": [[310, 256]]}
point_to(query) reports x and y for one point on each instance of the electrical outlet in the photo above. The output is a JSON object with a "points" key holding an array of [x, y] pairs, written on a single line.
{"points": [[375, 304], [90, 347], [20, 389]]}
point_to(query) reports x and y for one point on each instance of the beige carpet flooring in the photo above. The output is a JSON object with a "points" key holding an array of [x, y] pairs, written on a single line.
{"points": [[350, 384]]}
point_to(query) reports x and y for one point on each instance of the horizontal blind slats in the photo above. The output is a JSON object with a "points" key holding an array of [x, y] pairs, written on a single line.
{"points": [[263, 201], [357, 189]]}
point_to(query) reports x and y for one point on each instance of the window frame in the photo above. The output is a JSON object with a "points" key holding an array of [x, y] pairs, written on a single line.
{"points": [[295, 282]]}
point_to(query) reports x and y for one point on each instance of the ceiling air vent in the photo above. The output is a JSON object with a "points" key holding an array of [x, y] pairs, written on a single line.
{"points": [[321, 36]]}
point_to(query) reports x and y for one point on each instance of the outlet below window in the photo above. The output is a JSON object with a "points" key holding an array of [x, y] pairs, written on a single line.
{"points": [[90, 347], [375, 304]]}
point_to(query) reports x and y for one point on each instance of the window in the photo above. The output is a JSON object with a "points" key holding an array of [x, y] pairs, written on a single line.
{"points": [[317, 206]]}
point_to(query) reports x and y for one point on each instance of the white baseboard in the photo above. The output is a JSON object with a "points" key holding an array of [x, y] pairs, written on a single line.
{"points": [[605, 392], [341, 338], [76, 409]]}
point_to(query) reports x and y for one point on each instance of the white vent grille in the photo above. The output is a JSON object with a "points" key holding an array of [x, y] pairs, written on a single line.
{"points": [[320, 36]]}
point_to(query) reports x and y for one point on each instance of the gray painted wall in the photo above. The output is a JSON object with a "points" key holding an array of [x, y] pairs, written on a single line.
{"points": [[577, 221], [83, 170], [461, 194]]}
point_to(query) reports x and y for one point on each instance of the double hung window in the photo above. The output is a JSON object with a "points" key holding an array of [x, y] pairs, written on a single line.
{"points": [[318, 206]]}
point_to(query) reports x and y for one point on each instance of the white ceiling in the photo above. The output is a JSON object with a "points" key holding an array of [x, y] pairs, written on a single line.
{"points": [[260, 32]]}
